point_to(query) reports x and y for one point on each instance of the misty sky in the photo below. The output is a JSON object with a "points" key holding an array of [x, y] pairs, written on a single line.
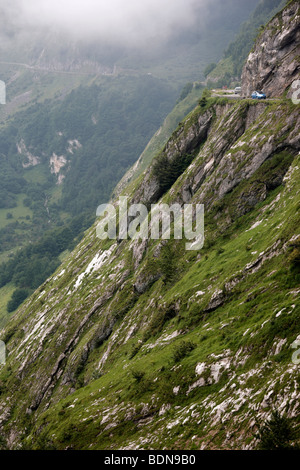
{"points": [[118, 20]]}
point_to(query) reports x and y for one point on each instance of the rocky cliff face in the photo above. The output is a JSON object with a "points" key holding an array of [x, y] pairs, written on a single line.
{"points": [[137, 344], [274, 62], [115, 340]]}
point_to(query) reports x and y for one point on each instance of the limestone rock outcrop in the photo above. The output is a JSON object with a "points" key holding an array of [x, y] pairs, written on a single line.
{"points": [[274, 63]]}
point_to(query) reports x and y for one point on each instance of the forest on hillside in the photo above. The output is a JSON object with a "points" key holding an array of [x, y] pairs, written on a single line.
{"points": [[111, 124]]}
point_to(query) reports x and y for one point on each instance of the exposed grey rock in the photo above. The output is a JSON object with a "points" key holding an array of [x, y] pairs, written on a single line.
{"points": [[217, 299], [138, 250], [57, 343], [143, 282], [274, 63]]}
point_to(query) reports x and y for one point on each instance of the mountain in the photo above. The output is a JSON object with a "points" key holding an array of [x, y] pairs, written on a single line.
{"points": [[229, 69], [59, 160], [142, 344], [78, 115], [273, 64], [179, 56]]}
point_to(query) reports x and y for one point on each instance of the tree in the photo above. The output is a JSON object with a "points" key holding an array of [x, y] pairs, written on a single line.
{"points": [[276, 434], [167, 171], [204, 99], [17, 298]]}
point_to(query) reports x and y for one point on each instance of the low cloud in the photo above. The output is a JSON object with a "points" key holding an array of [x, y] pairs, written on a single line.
{"points": [[148, 25], [117, 21]]}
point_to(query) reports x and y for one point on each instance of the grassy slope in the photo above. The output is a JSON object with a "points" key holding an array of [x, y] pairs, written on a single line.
{"points": [[19, 213], [37, 175], [161, 137], [230, 327], [49, 84], [112, 408], [26, 86]]}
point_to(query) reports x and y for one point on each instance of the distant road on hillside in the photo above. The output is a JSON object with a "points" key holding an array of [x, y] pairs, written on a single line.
{"points": [[41, 69], [227, 94]]}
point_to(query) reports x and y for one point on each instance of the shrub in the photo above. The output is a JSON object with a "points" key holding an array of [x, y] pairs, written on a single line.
{"points": [[138, 375], [204, 99], [160, 318], [17, 298], [276, 434], [168, 263], [294, 259], [134, 351], [182, 349]]}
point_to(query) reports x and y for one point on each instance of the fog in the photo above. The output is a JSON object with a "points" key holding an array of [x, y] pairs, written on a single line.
{"points": [[121, 22], [132, 21]]}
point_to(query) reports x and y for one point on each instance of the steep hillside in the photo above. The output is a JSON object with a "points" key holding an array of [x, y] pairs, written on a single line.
{"points": [[78, 114], [229, 68], [189, 98], [61, 158], [137, 344], [274, 62]]}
